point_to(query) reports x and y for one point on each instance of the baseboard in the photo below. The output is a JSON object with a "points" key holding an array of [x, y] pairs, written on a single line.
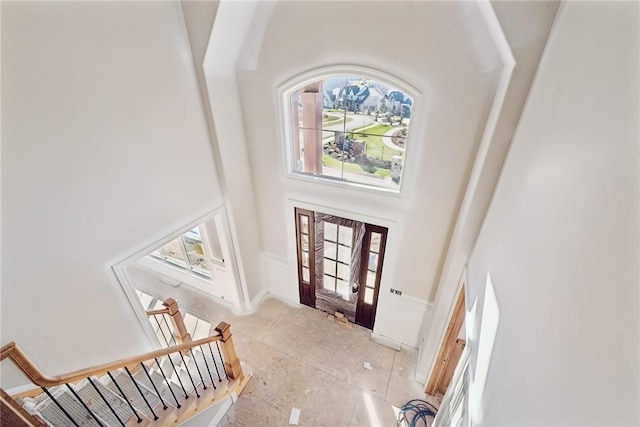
{"points": [[210, 416], [224, 407], [385, 341], [255, 302]]}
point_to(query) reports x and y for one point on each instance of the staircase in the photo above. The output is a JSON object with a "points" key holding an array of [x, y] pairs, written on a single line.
{"points": [[161, 388]]}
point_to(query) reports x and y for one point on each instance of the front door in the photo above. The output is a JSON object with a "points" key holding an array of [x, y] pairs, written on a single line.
{"points": [[339, 265]]}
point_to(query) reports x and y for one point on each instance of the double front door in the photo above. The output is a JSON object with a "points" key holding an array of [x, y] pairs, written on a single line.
{"points": [[339, 264]]}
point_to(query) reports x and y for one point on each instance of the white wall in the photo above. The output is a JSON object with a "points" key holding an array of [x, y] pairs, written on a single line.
{"points": [[522, 28], [560, 240], [446, 52], [105, 151], [217, 74]]}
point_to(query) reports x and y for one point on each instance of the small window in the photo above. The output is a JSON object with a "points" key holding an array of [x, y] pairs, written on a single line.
{"points": [[349, 128], [186, 251]]}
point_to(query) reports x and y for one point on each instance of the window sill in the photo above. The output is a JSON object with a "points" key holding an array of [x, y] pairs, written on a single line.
{"points": [[339, 182], [174, 271]]}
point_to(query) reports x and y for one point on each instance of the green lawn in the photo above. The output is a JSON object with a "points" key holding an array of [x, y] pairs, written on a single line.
{"points": [[334, 120], [374, 145], [375, 148], [379, 129], [332, 163]]}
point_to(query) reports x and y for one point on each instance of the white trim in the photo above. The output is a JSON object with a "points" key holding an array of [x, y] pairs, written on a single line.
{"points": [[283, 95], [230, 254], [224, 407], [206, 417], [255, 302], [287, 272], [22, 389], [175, 274], [385, 341], [456, 256], [119, 270], [397, 315], [134, 302], [456, 399], [443, 332], [166, 239], [302, 79]]}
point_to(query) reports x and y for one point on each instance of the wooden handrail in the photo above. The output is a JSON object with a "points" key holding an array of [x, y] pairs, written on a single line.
{"points": [[179, 329], [157, 312], [31, 371]]}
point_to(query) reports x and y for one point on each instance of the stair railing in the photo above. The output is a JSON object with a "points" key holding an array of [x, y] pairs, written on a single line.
{"points": [[230, 370], [179, 334]]}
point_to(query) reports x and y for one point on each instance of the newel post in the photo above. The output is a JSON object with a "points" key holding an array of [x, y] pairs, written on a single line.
{"points": [[231, 362], [180, 330]]}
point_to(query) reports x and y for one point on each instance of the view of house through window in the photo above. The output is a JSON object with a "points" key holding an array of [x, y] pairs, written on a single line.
{"points": [[350, 128], [186, 251]]}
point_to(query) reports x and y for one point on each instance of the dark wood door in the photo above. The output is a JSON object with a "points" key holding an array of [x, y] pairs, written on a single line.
{"points": [[373, 247], [306, 256]]}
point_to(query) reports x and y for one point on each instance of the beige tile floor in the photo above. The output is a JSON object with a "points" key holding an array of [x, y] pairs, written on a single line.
{"points": [[300, 359]]}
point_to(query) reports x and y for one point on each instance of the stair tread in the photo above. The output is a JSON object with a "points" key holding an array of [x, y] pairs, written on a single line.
{"points": [[53, 415], [161, 385], [132, 393], [97, 404]]}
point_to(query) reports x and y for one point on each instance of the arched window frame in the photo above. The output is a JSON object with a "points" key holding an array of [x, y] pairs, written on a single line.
{"points": [[294, 84]]}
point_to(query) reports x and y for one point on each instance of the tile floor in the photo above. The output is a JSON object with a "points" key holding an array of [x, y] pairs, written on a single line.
{"points": [[300, 359]]}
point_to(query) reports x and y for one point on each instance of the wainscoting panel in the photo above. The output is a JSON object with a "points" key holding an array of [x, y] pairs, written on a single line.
{"points": [[400, 318], [280, 275]]}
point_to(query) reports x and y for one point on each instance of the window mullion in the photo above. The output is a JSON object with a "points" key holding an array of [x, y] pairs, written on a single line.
{"points": [[183, 248]]}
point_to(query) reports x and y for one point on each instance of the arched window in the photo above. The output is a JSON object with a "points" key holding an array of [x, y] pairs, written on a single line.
{"points": [[349, 127]]}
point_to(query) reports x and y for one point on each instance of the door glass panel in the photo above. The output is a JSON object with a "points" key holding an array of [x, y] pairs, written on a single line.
{"points": [[305, 259], [330, 250], [345, 235], [304, 224], [330, 231], [368, 296], [375, 242], [329, 282], [329, 267], [371, 279], [343, 288], [344, 254], [305, 274], [373, 261], [173, 252], [344, 272], [305, 242]]}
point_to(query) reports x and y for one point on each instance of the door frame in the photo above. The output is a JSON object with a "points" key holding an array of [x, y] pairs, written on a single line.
{"points": [[456, 321], [366, 244], [311, 301], [392, 246]]}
